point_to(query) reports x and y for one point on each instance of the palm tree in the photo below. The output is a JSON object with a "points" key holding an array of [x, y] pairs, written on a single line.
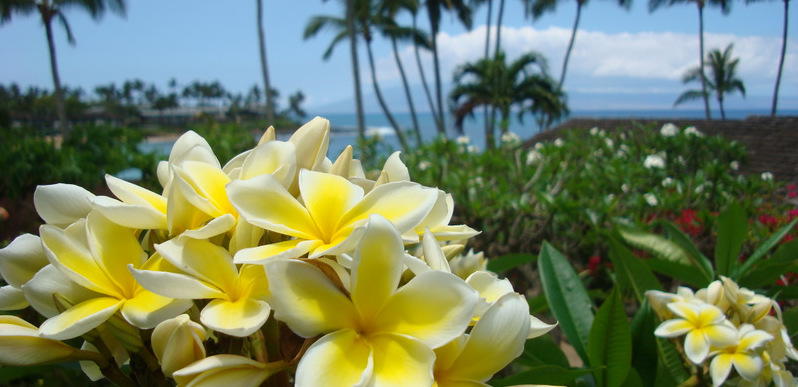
{"points": [[725, 7], [350, 24], [388, 26], [426, 44], [434, 8], [783, 54], [48, 11], [723, 81], [263, 64], [536, 8], [365, 15], [491, 82]]}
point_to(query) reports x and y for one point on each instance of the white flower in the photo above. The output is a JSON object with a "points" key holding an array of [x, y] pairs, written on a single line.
{"points": [[594, 131], [539, 146], [667, 182], [692, 131], [651, 199], [609, 198], [734, 165], [654, 161], [533, 157], [472, 149], [766, 176], [625, 188], [511, 138], [609, 142], [424, 165], [669, 130], [559, 142], [463, 140]]}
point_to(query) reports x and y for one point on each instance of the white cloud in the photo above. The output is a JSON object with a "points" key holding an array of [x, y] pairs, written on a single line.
{"points": [[624, 58]]}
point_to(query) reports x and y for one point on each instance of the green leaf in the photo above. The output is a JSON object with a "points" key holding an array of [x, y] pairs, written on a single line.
{"points": [[671, 359], [686, 273], [567, 297], [506, 262], [633, 379], [545, 375], [675, 234], [543, 351], [783, 260], [665, 250], [631, 271], [538, 304], [663, 377], [732, 231], [644, 345], [790, 317], [610, 342], [763, 249]]}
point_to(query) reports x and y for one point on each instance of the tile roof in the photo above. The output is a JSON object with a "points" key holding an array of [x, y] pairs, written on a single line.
{"points": [[771, 142]]}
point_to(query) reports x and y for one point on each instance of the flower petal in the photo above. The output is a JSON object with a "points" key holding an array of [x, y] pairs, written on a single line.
{"points": [[696, 346], [720, 335], [80, 318], [147, 309], [293, 248], [114, 248], [305, 299], [136, 216], [222, 370], [377, 267], [214, 227], [202, 259], [433, 253], [48, 281], [12, 298], [20, 345], [277, 158], [673, 328], [401, 361], [433, 320], [239, 318], [264, 202], [21, 259], [311, 142], [748, 366], [175, 285], [62, 204], [719, 368], [343, 357], [496, 339], [403, 203], [327, 198]]}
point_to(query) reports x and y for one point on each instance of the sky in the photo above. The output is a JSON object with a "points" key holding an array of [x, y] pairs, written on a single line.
{"points": [[622, 59]]}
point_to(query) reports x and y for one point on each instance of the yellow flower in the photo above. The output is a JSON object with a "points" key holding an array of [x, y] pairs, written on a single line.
{"points": [[496, 339], [705, 326], [95, 254], [224, 370], [381, 334], [326, 221], [743, 355], [238, 305], [177, 342], [21, 345]]}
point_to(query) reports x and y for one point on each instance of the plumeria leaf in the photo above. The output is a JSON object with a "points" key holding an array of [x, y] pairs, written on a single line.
{"points": [[644, 345], [767, 272], [509, 261], [567, 297], [549, 375], [760, 252], [610, 343], [543, 351], [631, 271], [678, 262], [732, 230]]}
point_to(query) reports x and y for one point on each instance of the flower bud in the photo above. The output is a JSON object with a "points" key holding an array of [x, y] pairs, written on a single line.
{"points": [[21, 345], [177, 342]]}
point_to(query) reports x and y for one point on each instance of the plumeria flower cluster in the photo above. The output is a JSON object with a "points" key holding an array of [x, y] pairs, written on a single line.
{"points": [[281, 263], [734, 334]]}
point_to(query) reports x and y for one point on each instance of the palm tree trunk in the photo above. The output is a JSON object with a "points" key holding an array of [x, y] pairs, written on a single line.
{"points": [[350, 19], [496, 50], [571, 43], [384, 106], [499, 29], [720, 103], [487, 50], [781, 61], [264, 67], [438, 124], [701, 47], [438, 91], [410, 106], [63, 126]]}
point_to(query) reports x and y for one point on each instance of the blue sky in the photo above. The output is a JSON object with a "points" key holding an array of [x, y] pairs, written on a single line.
{"points": [[619, 56]]}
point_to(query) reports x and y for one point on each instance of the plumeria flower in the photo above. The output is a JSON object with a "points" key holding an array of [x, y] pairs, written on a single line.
{"points": [[743, 355], [668, 130], [749, 306], [380, 333], [95, 254], [496, 339], [19, 262], [327, 219], [651, 199], [692, 131], [705, 326], [225, 370], [62, 204], [177, 343], [238, 305], [654, 161], [21, 345]]}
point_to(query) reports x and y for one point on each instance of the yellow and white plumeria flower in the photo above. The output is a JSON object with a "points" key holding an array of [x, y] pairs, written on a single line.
{"points": [[705, 326], [743, 355], [379, 333]]}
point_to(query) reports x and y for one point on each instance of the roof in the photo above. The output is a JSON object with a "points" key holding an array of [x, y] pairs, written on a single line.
{"points": [[771, 142]]}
